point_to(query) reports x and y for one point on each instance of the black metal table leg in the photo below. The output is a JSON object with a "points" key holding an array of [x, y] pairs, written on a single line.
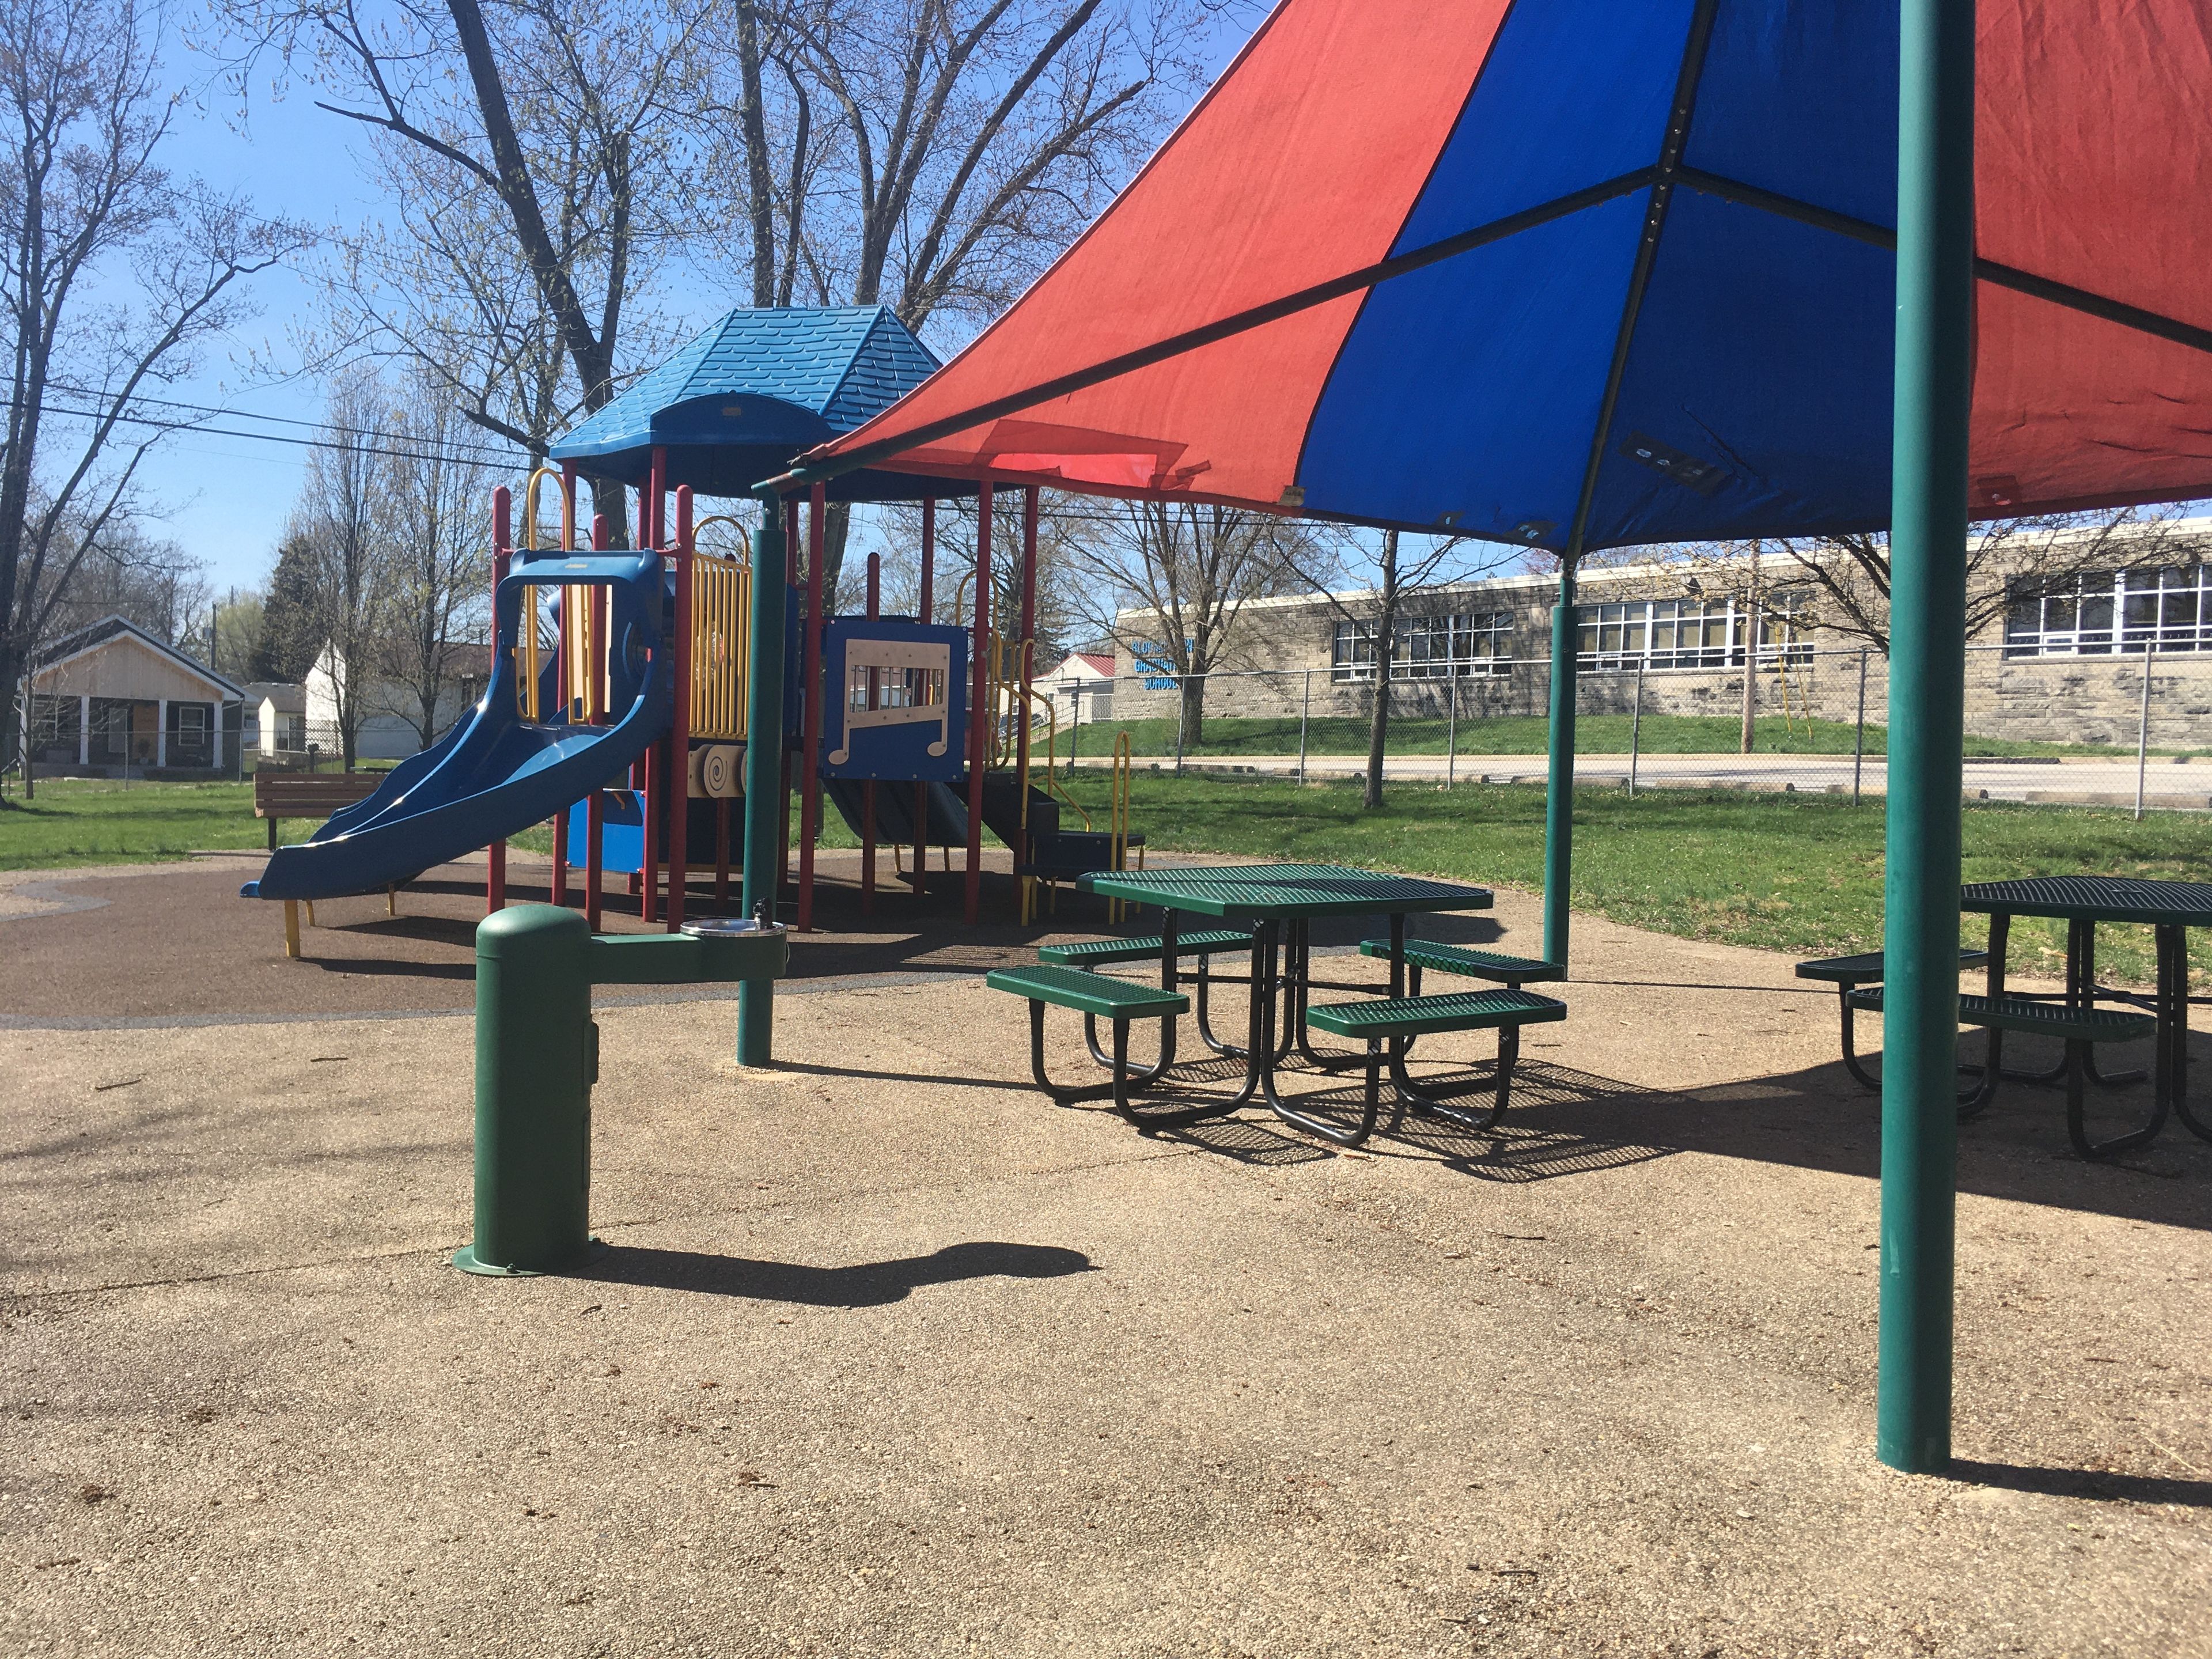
{"points": [[1428, 1100], [1299, 1035], [2173, 1025], [2089, 1000], [1118, 1088], [1266, 1059]]}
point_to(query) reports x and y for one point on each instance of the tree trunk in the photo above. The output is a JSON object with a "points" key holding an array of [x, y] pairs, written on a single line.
{"points": [[1191, 708], [1386, 628]]}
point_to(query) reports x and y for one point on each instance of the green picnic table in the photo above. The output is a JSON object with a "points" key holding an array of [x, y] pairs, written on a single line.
{"points": [[1280, 902], [2169, 907]]}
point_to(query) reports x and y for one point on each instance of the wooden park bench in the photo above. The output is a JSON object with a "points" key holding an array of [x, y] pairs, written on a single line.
{"points": [[316, 795], [279, 795]]}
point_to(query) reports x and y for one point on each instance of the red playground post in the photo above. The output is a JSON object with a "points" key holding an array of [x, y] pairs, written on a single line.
{"points": [[566, 612], [810, 693], [978, 714], [501, 552], [1025, 648]]}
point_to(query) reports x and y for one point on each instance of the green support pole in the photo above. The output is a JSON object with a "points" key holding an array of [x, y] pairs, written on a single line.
{"points": [[764, 772], [1926, 674], [1560, 781]]}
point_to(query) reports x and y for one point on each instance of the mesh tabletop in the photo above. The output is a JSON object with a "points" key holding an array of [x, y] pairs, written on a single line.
{"points": [[2096, 898], [1283, 890]]}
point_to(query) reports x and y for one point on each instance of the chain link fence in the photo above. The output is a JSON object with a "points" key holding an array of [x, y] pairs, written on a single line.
{"points": [[2132, 730]]}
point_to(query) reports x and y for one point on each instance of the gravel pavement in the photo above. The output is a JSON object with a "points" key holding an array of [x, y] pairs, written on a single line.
{"points": [[889, 1356]]}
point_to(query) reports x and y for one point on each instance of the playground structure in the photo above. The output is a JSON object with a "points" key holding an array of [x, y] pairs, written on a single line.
{"points": [[630, 688]]}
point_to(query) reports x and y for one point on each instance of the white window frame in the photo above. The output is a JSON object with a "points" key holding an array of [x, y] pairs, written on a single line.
{"points": [[1692, 631], [1477, 642], [2103, 613]]}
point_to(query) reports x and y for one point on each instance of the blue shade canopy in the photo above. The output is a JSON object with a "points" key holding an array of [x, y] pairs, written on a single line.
{"points": [[736, 404]]}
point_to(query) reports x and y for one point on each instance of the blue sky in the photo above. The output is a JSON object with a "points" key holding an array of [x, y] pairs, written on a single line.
{"points": [[225, 499]]}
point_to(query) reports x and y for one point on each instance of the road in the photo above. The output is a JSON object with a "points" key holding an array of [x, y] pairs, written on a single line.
{"points": [[2093, 780]]}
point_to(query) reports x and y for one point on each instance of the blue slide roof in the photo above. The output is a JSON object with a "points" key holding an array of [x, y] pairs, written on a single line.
{"points": [[737, 404]]}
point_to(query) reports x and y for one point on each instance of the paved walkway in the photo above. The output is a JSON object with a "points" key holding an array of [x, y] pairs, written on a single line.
{"points": [[890, 1356], [2074, 781]]}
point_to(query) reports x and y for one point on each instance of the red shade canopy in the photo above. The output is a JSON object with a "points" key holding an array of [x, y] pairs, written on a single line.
{"points": [[1626, 264]]}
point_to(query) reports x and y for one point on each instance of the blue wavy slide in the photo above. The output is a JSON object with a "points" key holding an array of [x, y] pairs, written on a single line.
{"points": [[495, 773]]}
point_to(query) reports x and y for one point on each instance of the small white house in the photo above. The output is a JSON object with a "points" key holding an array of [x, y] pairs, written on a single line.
{"points": [[276, 718], [388, 729], [112, 700], [1083, 685]]}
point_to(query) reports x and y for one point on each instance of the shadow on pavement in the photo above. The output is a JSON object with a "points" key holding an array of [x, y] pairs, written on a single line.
{"points": [[864, 1284], [2102, 1484]]}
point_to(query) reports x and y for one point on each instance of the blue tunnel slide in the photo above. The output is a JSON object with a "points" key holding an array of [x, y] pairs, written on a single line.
{"points": [[495, 773]]}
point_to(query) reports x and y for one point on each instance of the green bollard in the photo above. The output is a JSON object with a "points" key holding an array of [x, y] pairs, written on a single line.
{"points": [[538, 1055]]}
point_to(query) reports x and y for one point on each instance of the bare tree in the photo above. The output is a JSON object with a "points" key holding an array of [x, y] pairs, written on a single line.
{"points": [[934, 154], [440, 559], [131, 573], [1369, 586], [83, 113], [1851, 573], [1169, 579], [561, 113], [342, 525]]}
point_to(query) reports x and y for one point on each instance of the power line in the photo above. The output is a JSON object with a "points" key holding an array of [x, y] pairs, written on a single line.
{"points": [[218, 412], [482, 457]]}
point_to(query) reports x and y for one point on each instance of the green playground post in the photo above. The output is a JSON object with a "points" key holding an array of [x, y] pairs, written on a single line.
{"points": [[763, 770], [1559, 776], [1927, 673]]}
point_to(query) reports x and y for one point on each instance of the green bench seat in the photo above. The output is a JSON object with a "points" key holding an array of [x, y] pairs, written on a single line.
{"points": [[1456, 1011], [1387, 1025], [2079, 1028], [1465, 961], [1857, 970], [2052, 1019], [1086, 993], [1847, 974], [1093, 953], [1094, 996]]}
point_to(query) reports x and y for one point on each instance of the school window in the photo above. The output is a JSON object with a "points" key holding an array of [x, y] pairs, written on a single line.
{"points": [[1427, 648], [2098, 613], [1695, 631]]}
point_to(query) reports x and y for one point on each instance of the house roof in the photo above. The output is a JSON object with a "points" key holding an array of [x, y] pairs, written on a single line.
{"points": [[737, 404], [289, 697], [107, 631]]}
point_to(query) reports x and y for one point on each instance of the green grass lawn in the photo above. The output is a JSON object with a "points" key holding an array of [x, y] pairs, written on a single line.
{"points": [[1527, 734], [72, 821], [1798, 873]]}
